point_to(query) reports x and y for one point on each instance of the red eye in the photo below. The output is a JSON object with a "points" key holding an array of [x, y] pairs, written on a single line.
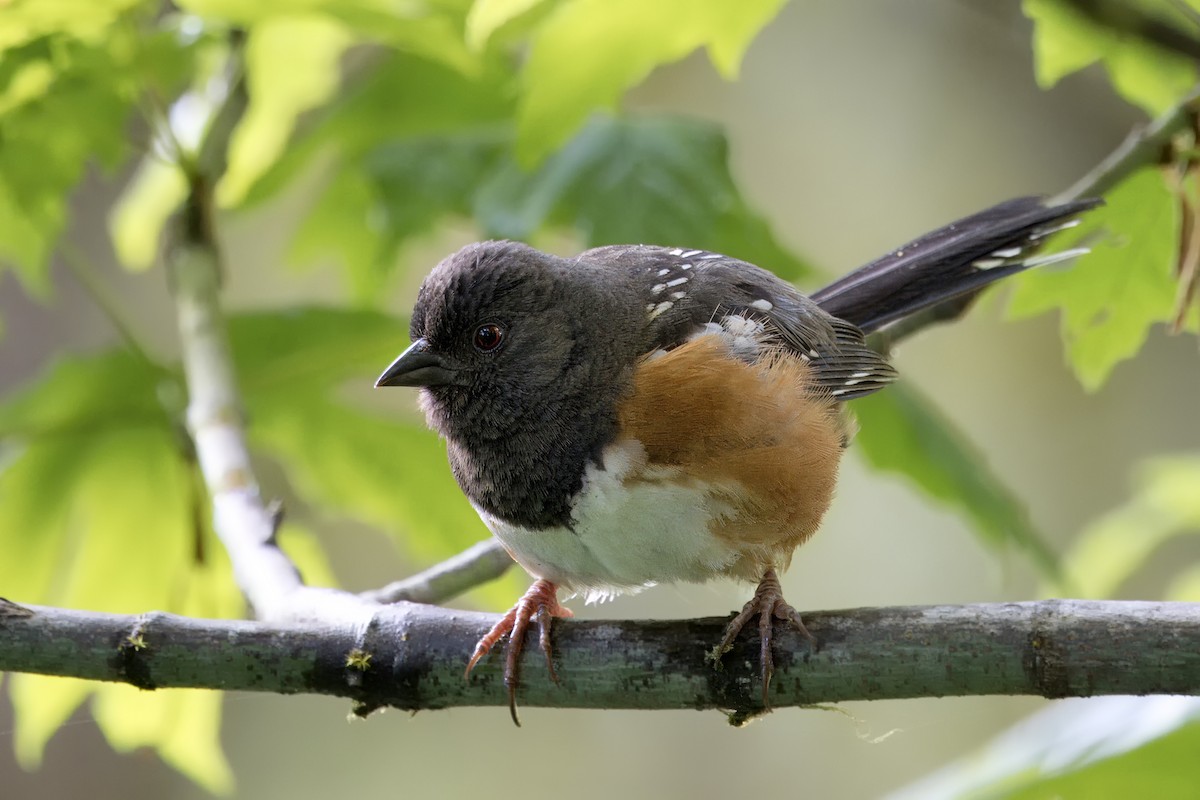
{"points": [[488, 337]]}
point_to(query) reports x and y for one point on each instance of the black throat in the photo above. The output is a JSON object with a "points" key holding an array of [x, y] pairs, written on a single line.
{"points": [[527, 471]]}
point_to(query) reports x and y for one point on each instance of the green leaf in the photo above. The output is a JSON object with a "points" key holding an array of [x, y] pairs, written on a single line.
{"points": [[488, 16], [1066, 40], [1103, 747], [1164, 505], [902, 432], [404, 96], [87, 20], [100, 509], [339, 226], [153, 194], [317, 348], [1164, 767], [292, 65], [70, 114], [588, 52], [1111, 297], [432, 30], [641, 179], [76, 395]]}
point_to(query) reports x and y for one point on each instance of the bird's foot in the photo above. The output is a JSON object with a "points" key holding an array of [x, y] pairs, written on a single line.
{"points": [[768, 605], [539, 603]]}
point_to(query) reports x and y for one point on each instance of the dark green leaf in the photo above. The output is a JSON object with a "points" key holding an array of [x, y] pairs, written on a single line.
{"points": [[639, 179], [902, 432]]}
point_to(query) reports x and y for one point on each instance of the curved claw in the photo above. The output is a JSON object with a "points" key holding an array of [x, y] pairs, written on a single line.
{"points": [[540, 602], [768, 604]]}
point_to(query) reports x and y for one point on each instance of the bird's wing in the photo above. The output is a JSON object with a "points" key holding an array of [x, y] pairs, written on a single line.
{"points": [[689, 292]]}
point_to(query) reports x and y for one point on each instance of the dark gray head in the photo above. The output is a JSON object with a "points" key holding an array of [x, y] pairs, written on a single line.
{"points": [[521, 357]]}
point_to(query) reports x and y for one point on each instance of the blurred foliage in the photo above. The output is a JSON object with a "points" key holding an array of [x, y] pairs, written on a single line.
{"points": [[1129, 282], [400, 119], [1132, 278], [1165, 505], [902, 432]]}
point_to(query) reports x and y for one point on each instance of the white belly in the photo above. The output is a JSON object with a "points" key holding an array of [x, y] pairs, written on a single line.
{"points": [[625, 537]]}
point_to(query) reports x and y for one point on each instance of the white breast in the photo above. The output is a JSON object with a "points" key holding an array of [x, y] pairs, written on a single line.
{"points": [[625, 536]]}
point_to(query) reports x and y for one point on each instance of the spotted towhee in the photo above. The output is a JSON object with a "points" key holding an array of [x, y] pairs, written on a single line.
{"points": [[636, 415]]}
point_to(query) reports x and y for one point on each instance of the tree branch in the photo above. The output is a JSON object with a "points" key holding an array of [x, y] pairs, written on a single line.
{"points": [[242, 520], [414, 656], [478, 564], [1142, 147]]}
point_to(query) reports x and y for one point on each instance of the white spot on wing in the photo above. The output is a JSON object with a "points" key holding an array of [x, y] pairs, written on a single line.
{"points": [[659, 309], [1007, 252], [678, 295], [762, 305], [677, 282], [711, 255], [658, 288], [691, 253], [676, 252], [663, 272]]}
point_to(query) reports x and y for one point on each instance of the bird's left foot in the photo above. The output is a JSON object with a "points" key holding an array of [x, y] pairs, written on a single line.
{"points": [[540, 602], [768, 605]]}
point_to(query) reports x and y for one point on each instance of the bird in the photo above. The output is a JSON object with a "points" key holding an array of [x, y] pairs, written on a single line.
{"points": [[637, 414]]}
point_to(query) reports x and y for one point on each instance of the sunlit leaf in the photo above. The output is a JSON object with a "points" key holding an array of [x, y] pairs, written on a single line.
{"points": [[77, 117], [292, 65], [1066, 40], [1164, 767], [432, 30], [98, 510], [86, 20], [1110, 298], [588, 52], [403, 96], [901, 432], [137, 219], [488, 16], [1095, 748]]}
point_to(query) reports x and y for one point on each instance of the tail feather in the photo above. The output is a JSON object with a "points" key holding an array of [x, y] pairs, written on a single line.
{"points": [[951, 262]]}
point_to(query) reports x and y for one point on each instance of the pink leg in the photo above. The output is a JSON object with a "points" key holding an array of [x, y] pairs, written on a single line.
{"points": [[540, 602]]}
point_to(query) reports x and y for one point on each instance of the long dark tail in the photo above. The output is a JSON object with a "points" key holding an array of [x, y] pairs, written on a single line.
{"points": [[951, 262]]}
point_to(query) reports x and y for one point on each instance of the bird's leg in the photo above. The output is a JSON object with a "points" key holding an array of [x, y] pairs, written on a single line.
{"points": [[768, 604], [540, 602]]}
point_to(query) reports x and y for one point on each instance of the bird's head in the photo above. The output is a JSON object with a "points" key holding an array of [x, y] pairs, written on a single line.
{"points": [[504, 335]]}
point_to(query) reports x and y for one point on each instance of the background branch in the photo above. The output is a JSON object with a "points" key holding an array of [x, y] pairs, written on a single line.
{"points": [[478, 564], [414, 656]]}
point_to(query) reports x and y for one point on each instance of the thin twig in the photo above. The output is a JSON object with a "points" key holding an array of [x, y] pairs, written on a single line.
{"points": [[476, 565], [1143, 146]]}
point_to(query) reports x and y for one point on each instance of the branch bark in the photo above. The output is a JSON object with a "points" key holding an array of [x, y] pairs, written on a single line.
{"points": [[411, 656], [245, 523]]}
